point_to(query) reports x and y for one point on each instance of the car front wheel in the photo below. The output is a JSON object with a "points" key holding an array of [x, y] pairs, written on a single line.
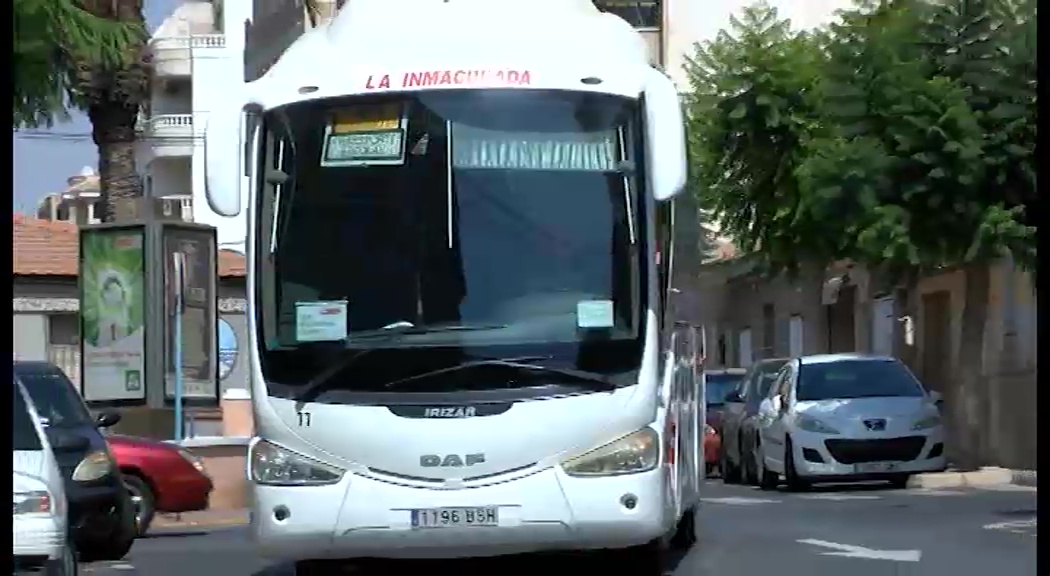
{"points": [[66, 565], [143, 501]]}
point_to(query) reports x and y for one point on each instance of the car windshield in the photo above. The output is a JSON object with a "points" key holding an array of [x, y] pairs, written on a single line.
{"points": [[23, 433], [718, 386], [55, 398], [460, 219], [846, 379]]}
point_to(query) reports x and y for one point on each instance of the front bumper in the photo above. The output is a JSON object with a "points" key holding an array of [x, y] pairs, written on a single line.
{"points": [[833, 457], [547, 510], [96, 511], [184, 493]]}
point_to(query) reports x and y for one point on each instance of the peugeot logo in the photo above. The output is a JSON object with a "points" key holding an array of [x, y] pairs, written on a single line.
{"points": [[450, 460], [875, 424]]}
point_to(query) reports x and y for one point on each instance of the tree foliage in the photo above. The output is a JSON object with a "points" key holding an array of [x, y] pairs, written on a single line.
{"points": [[50, 38], [901, 136]]}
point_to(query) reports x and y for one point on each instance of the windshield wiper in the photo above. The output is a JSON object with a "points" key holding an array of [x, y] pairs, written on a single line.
{"points": [[520, 364], [407, 328], [321, 382]]}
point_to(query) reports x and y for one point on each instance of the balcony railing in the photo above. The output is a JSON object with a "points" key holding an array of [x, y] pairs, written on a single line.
{"points": [[175, 126], [172, 55], [184, 42]]}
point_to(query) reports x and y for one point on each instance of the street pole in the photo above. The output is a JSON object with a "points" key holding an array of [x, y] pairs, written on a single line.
{"points": [[177, 344]]}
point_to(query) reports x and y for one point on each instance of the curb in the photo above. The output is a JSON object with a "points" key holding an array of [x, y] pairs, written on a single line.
{"points": [[170, 521], [984, 478]]}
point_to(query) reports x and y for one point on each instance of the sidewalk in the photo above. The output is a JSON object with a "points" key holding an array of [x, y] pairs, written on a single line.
{"points": [[202, 519], [987, 477]]}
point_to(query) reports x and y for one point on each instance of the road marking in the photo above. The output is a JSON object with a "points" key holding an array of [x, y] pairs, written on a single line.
{"points": [[933, 492], [1015, 526], [121, 567], [840, 497], [850, 551], [739, 501], [1008, 488]]}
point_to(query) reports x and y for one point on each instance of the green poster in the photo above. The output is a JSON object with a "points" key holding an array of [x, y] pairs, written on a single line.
{"points": [[112, 308]]}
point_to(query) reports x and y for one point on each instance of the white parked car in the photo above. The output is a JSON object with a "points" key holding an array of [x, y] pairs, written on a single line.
{"points": [[39, 524], [848, 417]]}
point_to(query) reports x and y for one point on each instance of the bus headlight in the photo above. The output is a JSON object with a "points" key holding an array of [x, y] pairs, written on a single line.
{"points": [[278, 466], [94, 466], [639, 451]]}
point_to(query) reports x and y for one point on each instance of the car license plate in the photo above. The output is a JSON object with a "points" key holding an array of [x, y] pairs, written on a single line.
{"points": [[874, 467], [455, 517]]}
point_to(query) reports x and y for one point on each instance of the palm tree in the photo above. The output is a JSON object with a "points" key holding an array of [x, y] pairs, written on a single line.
{"points": [[112, 94], [48, 36]]}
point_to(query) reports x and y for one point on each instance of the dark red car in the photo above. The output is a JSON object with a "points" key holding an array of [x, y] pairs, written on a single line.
{"points": [[718, 383], [161, 477]]}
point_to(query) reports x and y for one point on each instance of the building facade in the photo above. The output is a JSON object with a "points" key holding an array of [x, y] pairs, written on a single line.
{"points": [[196, 55]]}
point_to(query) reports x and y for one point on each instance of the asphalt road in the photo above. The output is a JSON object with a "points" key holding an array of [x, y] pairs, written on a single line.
{"points": [[859, 531]]}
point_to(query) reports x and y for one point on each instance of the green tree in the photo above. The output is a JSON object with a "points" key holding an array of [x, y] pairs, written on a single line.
{"points": [[902, 137], [48, 36], [751, 106], [89, 54]]}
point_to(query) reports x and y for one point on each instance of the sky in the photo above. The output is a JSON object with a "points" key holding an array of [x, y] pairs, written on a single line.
{"points": [[43, 162]]}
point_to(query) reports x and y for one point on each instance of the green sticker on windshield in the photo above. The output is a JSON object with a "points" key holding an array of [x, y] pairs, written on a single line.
{"points": [[365, 135]]}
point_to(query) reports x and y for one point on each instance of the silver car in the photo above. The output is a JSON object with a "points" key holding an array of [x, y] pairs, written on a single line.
{"points": [[847, 417]]}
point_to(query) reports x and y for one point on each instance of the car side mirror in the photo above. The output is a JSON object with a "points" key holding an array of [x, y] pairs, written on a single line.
{"points": [[107, 419], [776, 403], [936, 398], [765, 406], [733, 397]]}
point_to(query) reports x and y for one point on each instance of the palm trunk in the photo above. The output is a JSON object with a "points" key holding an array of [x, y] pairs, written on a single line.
{"points": [[967, 402], [113, 130]]}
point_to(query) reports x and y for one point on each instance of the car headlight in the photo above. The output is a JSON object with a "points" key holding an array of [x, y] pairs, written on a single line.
{"points": [[194, 461], [811, 424], [33, 502], [278, 466], [927, 422], [94, 466], [639, 451]]}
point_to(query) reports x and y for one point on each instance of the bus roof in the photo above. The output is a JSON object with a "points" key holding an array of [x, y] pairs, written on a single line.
{"points": [[375, 46]]}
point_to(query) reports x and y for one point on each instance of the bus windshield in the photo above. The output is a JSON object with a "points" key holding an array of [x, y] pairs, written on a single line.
{"points": [[449, 220]]}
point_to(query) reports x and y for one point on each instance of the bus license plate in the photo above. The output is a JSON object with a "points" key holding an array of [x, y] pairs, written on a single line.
{"points": [[455, 517]]}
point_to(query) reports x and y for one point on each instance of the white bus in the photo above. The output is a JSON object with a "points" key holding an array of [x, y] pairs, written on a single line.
{"points": [[461, 243]]}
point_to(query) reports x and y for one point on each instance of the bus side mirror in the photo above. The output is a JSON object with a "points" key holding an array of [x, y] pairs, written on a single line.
{"points": [[665, 138], [223, 148]]}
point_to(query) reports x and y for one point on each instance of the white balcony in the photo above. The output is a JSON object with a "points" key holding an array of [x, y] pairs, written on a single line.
{"points": [[174, 135], [178, 206], [173, 55]]}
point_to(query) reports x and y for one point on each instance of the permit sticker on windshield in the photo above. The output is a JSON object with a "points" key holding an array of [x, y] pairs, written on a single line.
{"points": [[595, 314], [320, 321], [365, 135]]}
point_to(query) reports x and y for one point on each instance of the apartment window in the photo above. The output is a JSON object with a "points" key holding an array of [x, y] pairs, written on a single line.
{"points": [[768, 331], [638, 13]]}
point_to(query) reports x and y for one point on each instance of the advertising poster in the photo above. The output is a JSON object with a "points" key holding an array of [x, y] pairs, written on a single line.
{"points": [[199, 366], [112, 305]]}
